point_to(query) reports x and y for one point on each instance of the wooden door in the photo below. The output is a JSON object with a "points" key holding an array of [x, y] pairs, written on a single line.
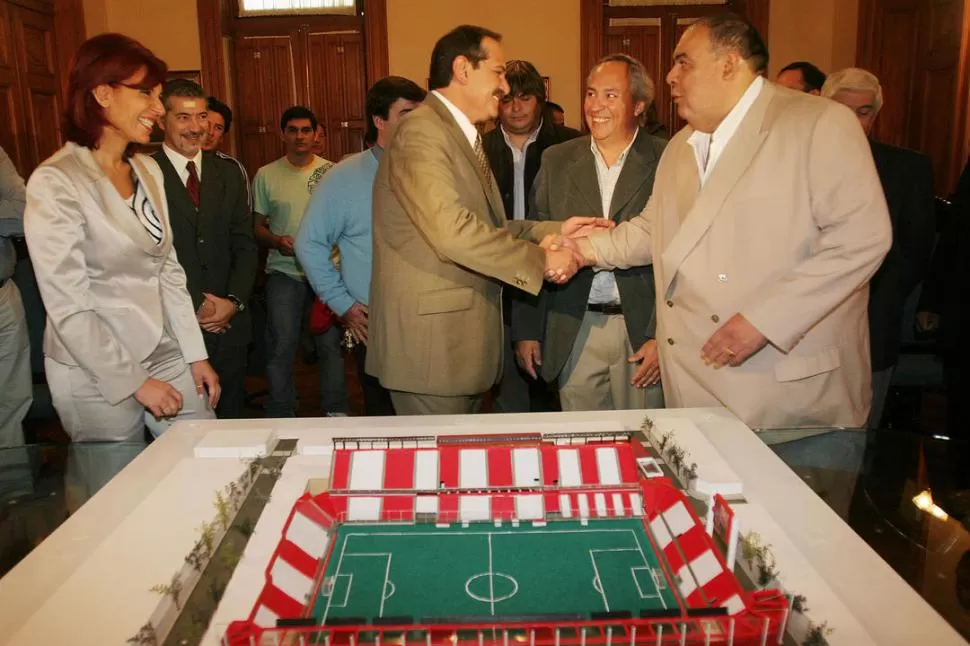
{"points": [[650, 34], [266, 85], [643, 40], [37, 56], [12, 131], [914, 47], [336, 89], [314, 61]]}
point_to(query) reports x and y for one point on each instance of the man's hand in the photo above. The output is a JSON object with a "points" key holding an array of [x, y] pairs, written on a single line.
{"points": [[582, 227], [561, 265], [160, 398], [215, 313], [648, 373], [285, 245], [206, 379], [528, 354], [355, 320], [733, 343], [927, 321]]}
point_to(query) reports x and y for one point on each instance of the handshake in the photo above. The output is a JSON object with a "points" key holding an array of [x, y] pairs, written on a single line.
{"points": [[563, 254]]}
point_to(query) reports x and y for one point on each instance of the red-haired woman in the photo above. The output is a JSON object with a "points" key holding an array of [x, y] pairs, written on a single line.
{"points": [[123, 347]]}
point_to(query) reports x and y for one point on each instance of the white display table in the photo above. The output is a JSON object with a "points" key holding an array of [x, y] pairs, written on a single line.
{"points": [[89, 582]]}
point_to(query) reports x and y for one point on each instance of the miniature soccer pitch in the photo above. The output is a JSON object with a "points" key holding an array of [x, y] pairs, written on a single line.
{"points": [[425, 571]]}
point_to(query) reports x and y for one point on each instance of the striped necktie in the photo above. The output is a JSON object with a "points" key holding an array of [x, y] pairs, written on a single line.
{"points": [[483, 160]]}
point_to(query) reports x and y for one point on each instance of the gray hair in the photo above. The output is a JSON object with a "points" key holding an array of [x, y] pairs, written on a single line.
{"points": [[641, 85], [185, 88], [854, 79]]}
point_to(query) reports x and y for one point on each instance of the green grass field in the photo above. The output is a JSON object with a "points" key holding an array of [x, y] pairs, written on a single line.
{"points": [[483, 570]]}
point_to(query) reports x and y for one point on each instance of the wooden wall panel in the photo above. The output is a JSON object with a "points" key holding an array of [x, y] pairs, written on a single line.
{"points": [[918, 49], [11, 101], [375, 38], [40, 83]]}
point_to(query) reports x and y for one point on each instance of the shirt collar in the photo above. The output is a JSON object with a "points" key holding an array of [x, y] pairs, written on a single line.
{"points": [[530, 141], [726, 129], [466, 125], [377, 151], [180, 161], [619, 160]]}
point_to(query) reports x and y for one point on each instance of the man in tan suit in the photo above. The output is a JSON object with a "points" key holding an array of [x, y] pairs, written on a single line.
{"points": [[442, 245], [766, 223]]}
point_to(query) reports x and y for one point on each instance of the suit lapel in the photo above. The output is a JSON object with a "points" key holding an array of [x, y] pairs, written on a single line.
{"points": [[175, 191], [583, 175], [489, 187], [156, 195], [731, 166], [114, 206], [635, 172], [212, 191]]}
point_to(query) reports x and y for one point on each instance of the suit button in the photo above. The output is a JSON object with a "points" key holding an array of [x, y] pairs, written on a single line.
{"points": [[201, 241], [715, 318], [670, 341], [205, 267], [670, 303]]}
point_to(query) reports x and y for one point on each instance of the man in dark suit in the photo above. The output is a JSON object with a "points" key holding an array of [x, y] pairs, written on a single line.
{"points": [[907, 182], [208, 205], [514, 151], [595, 333]]}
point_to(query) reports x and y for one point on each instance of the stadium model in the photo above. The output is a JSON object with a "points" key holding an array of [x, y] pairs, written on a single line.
{"points": [[541, 539]]}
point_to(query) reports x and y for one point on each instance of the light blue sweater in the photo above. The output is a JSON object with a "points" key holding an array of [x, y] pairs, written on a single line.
{"points": [[339, 213]]}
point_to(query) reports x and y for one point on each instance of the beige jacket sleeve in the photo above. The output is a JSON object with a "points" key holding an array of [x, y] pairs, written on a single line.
{"points": [[854, 234], [423, 180], [630, 244], [54, 225]]}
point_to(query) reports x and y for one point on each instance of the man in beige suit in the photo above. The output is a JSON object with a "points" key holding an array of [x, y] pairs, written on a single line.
{"points": [[766, 223], [442, 245]]}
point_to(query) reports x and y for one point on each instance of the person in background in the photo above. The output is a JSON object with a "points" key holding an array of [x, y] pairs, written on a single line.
{"points": [[801, 76], [907, 183], [339, 214], [208, 206], [442, 245], [16, 387], [596, 333], [556, 113], [281, 192], [763, 234], [123, 347], [219, 120], [514, 152]]}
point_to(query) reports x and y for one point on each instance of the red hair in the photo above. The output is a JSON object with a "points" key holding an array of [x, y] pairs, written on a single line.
{"points": [[107, 59]]}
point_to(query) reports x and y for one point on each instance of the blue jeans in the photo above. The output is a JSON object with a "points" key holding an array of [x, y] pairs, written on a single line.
{"points": [[288, 303]]}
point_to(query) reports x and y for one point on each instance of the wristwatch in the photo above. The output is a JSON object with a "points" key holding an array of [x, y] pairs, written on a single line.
{"points": [[238, 304]]}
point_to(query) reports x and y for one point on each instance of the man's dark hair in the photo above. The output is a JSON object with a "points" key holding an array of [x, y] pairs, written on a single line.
{"points": [[385, 93], [466, 41], [180, 87], [554, 107], [297, 112], [217, 106], [731, 31], [524, 80], [812, 77]]}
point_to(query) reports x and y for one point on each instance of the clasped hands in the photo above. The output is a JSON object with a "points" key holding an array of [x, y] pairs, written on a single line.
{"points": [[563, 255], [215, 313]]}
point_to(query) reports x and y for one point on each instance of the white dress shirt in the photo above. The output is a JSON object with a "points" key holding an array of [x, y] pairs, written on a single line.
{"points": [[518, 171], [466, 125], [604, 289], [181, 163], [707, 146]]}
